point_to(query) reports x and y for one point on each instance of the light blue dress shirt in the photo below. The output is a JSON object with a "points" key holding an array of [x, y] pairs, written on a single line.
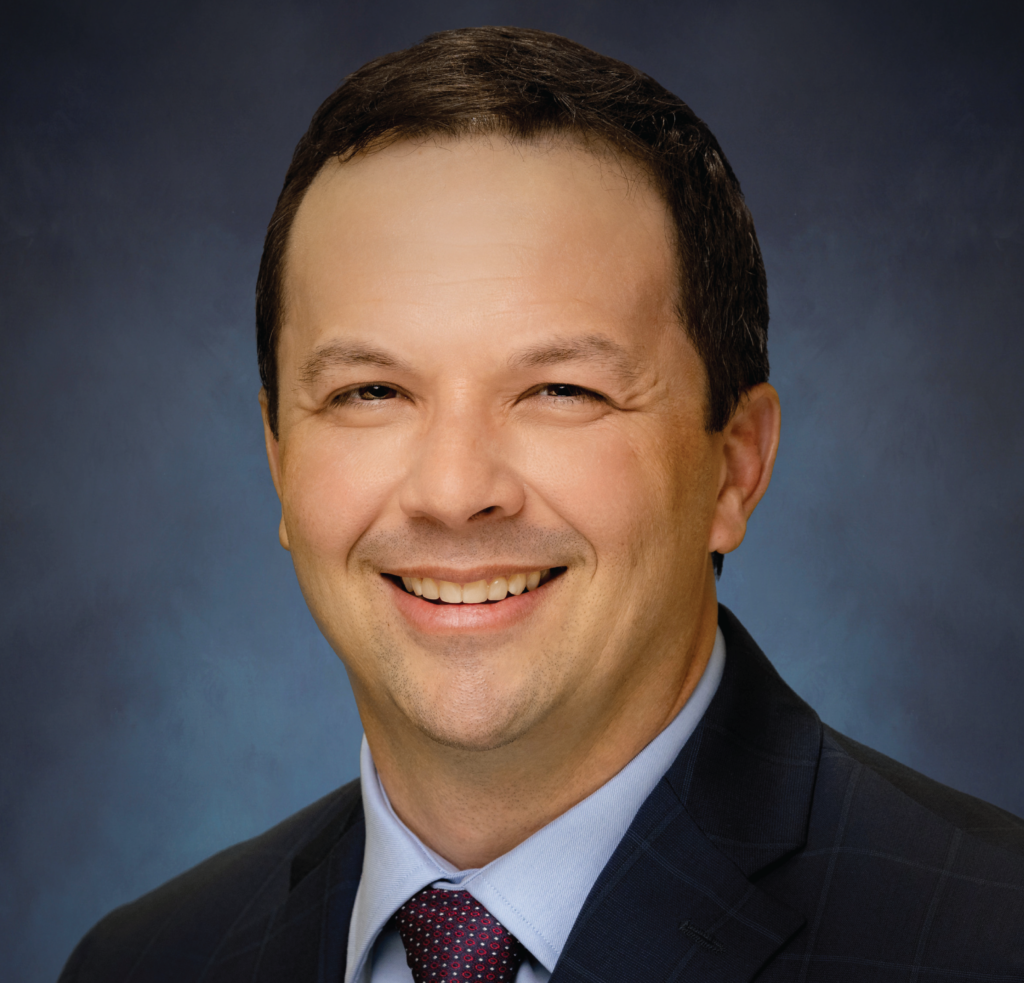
{"points": [[537, 889]]}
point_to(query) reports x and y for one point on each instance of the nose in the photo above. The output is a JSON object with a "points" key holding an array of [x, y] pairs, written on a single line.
{"points": [[461, 472]]}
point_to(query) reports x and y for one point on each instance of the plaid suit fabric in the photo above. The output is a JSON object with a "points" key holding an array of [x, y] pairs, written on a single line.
{"points": [[242, 914], [935, 898], [774, 848]]}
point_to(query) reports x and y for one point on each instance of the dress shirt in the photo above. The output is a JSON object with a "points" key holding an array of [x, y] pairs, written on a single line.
{"points": [[537, 889]]}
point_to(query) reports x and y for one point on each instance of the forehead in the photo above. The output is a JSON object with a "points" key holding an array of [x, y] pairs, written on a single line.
{"points": [[548, 233]]}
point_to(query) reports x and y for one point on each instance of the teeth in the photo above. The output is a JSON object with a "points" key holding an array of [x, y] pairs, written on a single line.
{"points": [[474, 593], [450, 593], [477, 592]]}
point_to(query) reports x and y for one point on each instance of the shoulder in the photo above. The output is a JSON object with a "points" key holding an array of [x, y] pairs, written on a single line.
{"points": [[189, 915], [905, 791], [895, 874], [899, 870]]}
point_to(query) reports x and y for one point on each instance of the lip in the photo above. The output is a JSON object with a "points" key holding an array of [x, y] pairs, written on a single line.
{"points": [[464, 576], [451, 619]]}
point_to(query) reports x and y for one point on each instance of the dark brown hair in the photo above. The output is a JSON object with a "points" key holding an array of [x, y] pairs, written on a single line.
{"points": [[524, 84]]}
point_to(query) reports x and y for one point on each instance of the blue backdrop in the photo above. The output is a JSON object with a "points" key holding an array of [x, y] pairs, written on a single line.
{"points": [[163, 691]]}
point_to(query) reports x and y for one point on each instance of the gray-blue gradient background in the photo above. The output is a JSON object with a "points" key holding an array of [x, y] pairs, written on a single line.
{"points": [[163, 690]]}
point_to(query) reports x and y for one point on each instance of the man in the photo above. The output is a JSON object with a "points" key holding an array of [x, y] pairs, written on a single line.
{"points": [[512, 321]]}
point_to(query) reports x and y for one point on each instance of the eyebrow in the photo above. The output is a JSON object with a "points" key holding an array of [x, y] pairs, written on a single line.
{"points": [[344, 353], [585, 348]]}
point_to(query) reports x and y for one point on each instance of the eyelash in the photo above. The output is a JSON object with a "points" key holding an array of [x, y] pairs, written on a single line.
{"points": [[354, 395], [578, 392]]}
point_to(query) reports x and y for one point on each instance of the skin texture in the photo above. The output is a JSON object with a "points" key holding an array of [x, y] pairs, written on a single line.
{"points": [[482, 371]]}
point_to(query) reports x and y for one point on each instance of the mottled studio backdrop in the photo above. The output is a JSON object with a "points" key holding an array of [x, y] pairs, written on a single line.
{"points": [[163, 691]]}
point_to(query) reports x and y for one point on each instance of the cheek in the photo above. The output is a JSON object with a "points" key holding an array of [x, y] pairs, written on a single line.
{"points": [[614, 488], [334, 485]]}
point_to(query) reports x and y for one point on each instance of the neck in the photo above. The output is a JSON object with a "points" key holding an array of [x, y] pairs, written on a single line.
{"points": [[473, 806]]}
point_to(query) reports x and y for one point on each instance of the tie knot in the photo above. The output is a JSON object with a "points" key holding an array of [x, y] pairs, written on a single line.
{"points": [[449, 936]]}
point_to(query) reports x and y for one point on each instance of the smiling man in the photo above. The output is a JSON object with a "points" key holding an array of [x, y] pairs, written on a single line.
{"points": [[496, 478], [512, 326]]}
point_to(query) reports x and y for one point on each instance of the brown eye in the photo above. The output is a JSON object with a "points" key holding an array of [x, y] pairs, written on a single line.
{"points": [[370, 393], [560, 390]]}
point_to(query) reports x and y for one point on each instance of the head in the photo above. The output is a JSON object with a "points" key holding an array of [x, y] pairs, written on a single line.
{"points": [[511, 323]]}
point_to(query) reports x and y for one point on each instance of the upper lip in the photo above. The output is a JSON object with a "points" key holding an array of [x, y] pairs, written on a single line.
{"points": [[466, 576]]}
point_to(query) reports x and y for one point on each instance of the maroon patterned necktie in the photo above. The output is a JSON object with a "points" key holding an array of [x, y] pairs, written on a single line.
{"points": [[449, 936]]}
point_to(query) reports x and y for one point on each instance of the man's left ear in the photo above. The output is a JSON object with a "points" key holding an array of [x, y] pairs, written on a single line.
{"points": [[750, 441]]}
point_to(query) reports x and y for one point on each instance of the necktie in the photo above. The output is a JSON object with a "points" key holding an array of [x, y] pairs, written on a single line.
{"points": [[449, 936]]}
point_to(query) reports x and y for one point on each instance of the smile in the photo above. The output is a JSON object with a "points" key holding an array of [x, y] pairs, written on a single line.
{"points": [[478, 591]]}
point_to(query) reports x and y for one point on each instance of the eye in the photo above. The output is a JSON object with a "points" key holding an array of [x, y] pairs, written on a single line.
{"points": [[376, 391], [564, 392], [373, 393]]}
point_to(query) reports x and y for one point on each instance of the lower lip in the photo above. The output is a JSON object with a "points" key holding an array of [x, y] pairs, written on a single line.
{"points": [[450, 619]]}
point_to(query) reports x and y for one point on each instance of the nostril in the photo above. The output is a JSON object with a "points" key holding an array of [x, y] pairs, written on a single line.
{"points": [[490, 510]]}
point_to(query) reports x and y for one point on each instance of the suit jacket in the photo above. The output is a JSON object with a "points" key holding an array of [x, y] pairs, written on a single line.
{"points": [[773, 848]]}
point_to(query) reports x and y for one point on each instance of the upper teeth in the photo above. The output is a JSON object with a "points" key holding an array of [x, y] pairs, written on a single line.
{"points": [[478, 591]]}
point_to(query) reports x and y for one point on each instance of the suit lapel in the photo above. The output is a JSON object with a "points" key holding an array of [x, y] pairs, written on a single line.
{"points": [[676, 901], [748, 776], [309, 938], [303, 936], [670, 906]]}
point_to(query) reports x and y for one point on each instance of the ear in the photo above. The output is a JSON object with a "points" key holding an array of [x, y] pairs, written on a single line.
{"points": [[274, 460], [750, 441]]}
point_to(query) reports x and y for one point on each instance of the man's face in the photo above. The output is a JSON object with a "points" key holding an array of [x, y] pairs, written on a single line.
{"points": [[483, 378]]}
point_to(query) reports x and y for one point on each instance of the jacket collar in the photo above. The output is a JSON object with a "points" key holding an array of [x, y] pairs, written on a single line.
{"points": [[303, 940], [747, 776], [676, 899]]}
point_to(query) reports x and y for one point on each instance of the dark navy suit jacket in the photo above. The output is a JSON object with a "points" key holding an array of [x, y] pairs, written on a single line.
{"points": [[774, 848]]}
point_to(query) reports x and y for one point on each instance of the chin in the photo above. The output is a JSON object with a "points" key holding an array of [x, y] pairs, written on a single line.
{"points": [[481, 724], [468, 698]]}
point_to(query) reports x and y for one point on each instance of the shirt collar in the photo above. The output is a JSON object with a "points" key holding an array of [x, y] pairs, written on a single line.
{"points": [[537, 889]]}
